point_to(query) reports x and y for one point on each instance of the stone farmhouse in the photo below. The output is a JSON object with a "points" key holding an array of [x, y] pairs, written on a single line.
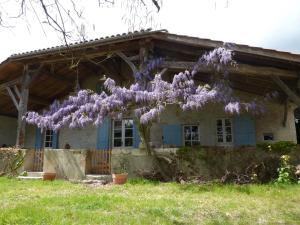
{"points": [[33, 80]]}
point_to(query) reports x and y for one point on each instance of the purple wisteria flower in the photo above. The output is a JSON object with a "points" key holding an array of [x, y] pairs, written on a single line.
{"points": [[148, 96]]}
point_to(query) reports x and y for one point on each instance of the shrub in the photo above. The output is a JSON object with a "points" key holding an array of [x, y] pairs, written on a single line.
{"points": [[281, 147], [285, 171]]}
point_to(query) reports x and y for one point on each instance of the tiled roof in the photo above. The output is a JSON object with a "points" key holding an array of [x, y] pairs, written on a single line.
{"points": [[144, 33], [82, 44]]}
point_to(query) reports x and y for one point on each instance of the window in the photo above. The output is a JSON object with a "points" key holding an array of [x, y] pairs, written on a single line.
{"points": [[123, 133], [224, 131], [191, 135], [268, 137], [48, 139]]}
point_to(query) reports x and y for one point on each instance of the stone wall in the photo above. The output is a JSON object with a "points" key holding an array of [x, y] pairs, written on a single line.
{"points": [[84, 138], [207, 163], [30, 136], [67, 164], [8, 131], [8, 154], [131, 161]]}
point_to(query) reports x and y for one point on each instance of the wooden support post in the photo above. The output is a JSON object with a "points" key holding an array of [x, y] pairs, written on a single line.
{"points": [[28, 76], [22, 110], [143, 59]]}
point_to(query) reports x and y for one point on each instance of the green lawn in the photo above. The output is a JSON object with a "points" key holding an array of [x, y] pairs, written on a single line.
{"points": [[140, 202]]}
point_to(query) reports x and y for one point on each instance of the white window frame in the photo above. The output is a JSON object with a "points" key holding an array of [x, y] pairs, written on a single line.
{"points": [[51, 139], [122, 134], [183, 135], [224, 143]]}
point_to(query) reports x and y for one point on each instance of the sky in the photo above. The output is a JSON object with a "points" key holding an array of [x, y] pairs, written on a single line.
{"points": [[263, 23]]}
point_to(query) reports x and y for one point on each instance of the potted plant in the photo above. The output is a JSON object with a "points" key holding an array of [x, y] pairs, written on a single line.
{"points": [[49, 176], [120, 174]]}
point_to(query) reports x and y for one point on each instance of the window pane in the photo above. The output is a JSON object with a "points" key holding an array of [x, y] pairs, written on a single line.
{"points": [[228, 138], [48, 144], [117, 142], [48, 138], [195, 136], [117, 124], [128, 142], [195, 129], [128, 123], [219, 130], [227, 122], [187, 133], [220, 138], [129, 133], [228, 130], [117, 133]]}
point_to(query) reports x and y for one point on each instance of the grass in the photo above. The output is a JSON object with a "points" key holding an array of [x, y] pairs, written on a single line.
{"points": [[142, 202]]}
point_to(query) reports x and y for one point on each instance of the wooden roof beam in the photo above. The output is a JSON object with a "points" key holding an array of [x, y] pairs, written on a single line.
{"points": [[3, 86], [242, 69], [194, 41], [291, 94]]}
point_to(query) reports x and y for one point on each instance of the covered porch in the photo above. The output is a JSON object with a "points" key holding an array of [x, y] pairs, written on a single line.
{"points": [[33, 80]]}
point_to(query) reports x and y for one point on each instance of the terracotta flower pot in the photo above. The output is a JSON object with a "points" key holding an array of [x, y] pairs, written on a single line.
{"points": [[119, 178], [49, 176]]}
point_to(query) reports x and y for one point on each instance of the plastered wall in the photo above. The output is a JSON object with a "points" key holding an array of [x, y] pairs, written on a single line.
{"points": [[8, 131]]}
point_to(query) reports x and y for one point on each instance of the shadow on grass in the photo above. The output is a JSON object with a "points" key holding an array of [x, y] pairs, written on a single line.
{"points": [[142, 181], [216, 187]]}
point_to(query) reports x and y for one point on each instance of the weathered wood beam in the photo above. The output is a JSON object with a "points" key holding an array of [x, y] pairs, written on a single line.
{"points": [[28, 76], [9, 83], [107, 70], [163, 71], [134, 57], [193, 41], [286, 90], [13, 97], [242, 69], [128, 61], [16, 89]]}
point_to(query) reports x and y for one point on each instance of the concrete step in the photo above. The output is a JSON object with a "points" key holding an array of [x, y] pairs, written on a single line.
{"points": [[29, 178], [99, 177], [34, 174]]}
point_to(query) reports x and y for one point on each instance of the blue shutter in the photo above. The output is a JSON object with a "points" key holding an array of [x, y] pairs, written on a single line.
{"points": [[244, 131], [136, 137], [103, 135], [38, 139], [55, 140], [172, 135]]}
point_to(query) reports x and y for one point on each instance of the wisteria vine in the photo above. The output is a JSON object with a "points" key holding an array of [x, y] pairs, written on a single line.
{"points": [[150, 100]]}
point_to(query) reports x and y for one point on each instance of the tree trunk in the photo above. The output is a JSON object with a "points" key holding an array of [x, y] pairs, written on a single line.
{"points": [[144, 131]]}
